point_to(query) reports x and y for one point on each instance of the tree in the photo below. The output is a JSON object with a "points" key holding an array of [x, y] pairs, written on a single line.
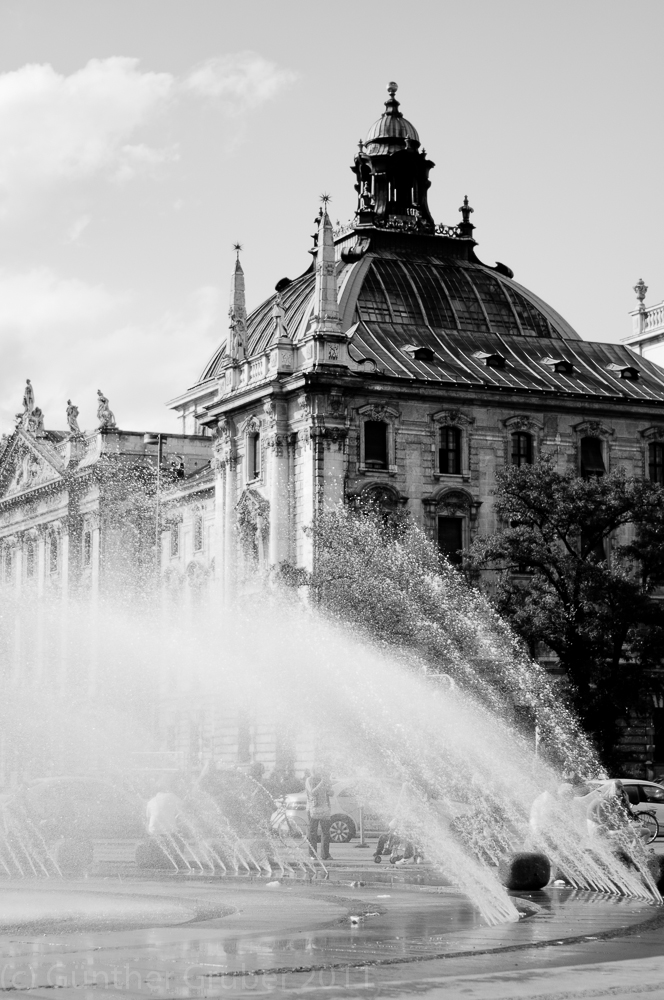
{"points": [[376, 572], [579, 561]]}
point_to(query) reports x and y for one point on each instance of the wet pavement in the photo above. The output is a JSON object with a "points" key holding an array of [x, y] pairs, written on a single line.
{"points": [[366, 931]]}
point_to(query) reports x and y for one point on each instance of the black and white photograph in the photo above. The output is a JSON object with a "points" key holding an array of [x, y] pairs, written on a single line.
{"points": [[331, 499]]}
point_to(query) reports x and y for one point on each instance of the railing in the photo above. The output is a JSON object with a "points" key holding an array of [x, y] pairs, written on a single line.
{"points": [[654, 318]]}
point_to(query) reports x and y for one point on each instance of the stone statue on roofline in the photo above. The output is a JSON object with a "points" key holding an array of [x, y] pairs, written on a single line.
{"points": [[35, 422], [104, 415], [28, 398], [72, 419]]}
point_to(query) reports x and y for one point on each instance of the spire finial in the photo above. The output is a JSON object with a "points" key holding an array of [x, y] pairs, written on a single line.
{"points": [[237, 313], [466, 210], [325, 199], [326, 307], [391, 104], [641, 288]]}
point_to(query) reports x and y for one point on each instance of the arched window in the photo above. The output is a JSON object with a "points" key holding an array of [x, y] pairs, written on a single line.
{"points": [[53, 554], [449, 453], [656, 462], [30, 560], [592, 457], [522, 448], [450, 538], [375, 444]]}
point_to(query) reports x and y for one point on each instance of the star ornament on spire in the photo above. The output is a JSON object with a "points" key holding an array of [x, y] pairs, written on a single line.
{"points": [[238, 247], [326, 199]]}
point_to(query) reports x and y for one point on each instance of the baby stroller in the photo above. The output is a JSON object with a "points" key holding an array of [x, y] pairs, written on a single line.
{"points": [[399, 848]]}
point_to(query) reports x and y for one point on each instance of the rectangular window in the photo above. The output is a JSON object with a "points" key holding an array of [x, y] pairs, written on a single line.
{"points": [[450, 538], [87, 547], [592, 459], [375, 444], [656, 463], [522, 449], [658, 723], [8, 565], [253, 457], [53, 555], [175, 539], [198, 533], [30, 561], [449, 456]]}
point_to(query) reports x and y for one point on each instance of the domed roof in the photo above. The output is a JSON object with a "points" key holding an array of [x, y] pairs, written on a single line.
{"points": [[390, 132], [409, 295]]}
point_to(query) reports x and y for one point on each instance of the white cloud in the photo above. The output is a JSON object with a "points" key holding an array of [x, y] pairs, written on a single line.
{"points": [[65, 336], [77, 228], [243, 80], [38, 301], [56, 128]]}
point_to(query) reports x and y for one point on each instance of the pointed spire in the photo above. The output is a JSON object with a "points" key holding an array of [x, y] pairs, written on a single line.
{"points": [[237, 333], [326, 305]]}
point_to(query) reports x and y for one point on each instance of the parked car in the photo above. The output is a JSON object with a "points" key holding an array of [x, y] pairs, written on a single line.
{"points": [[643, 796], [345, 823]]}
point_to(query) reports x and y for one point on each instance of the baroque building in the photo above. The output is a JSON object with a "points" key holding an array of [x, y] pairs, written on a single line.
{"points": [[79, 520], [398, 367]]}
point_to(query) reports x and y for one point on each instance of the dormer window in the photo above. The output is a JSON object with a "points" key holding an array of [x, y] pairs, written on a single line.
{"points": [[420, 353], [561, 366], [490, 360], [625, 371], [375, 444]]}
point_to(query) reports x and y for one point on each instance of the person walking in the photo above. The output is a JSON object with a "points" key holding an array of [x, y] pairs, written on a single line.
{"points": [[318, 789]]}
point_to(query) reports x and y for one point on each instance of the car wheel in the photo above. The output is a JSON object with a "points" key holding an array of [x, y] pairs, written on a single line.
{"points": [[342, 829]]}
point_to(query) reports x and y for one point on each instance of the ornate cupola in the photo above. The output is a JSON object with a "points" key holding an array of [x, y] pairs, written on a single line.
{"points": [[392, 173]]}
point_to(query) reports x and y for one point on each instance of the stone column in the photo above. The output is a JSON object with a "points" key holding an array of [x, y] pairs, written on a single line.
{"points": [[277, 481]]}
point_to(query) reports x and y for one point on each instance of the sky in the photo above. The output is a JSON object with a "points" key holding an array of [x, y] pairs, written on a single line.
{"points": [[140, 139]]}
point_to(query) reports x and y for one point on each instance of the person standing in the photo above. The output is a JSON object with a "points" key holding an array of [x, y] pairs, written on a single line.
{"points": [[318, 789]]}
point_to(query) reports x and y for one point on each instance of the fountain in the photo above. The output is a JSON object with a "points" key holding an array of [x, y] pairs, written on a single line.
{"points": [[373, 715]]}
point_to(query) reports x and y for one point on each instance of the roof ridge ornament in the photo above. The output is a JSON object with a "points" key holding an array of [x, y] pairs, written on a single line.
{"points": [[641, 289], [466, 227], [391, 104]]}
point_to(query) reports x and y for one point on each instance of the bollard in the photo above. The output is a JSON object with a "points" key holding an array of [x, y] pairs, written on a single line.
{"points": [[362, 842], [524, 872]]}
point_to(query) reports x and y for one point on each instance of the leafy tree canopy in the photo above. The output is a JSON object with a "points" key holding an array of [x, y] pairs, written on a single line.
{"points": [[579, 562]]}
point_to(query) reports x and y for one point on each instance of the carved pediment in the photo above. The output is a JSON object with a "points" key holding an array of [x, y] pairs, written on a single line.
{"points": [[593, 428], [452, 418], [27, 464]]}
